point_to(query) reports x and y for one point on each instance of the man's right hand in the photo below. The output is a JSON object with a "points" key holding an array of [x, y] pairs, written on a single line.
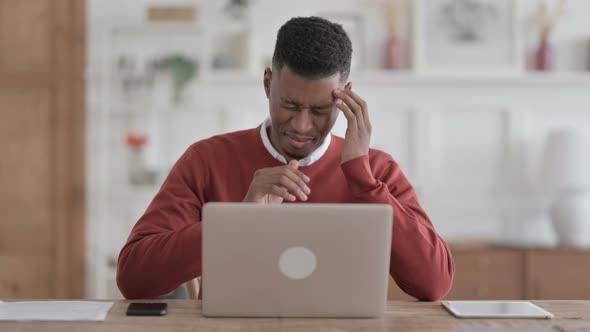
{"points": [[275, 184]]}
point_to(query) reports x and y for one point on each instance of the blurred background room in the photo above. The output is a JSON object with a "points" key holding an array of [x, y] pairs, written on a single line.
{"points": [[484, 103]]}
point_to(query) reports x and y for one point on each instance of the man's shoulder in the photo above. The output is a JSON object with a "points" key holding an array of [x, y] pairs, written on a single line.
{"points": [[337, 143], [226, 141], [236, 137]]}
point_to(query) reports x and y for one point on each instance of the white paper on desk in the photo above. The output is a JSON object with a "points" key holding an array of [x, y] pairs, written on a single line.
{"points": [[55, 310]]}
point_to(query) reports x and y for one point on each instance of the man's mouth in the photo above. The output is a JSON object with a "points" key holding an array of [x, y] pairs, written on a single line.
{"points": [[299, 142]]}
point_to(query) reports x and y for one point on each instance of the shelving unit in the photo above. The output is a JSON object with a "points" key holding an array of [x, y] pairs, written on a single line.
{"points": [[115, 205], [408, 78], [528, 78]]}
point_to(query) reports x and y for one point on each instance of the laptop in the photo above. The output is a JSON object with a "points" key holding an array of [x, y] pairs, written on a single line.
{"points": [[295, 260]]}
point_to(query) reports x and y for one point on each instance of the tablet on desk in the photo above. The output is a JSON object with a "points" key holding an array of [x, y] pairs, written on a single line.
{"points": [[495, 309]]}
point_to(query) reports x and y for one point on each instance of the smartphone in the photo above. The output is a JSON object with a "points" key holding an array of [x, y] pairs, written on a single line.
{"points": [[147, 309]]}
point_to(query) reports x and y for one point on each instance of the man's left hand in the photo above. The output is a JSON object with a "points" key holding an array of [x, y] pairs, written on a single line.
{"points": [[358, 132]]}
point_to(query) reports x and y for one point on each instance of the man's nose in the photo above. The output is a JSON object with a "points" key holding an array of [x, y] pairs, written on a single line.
{"points": [[302, 121]]}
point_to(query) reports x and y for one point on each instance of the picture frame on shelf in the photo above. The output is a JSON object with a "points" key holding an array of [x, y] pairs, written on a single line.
{"points": [[353, 24], [172, 13], [468, 37]]}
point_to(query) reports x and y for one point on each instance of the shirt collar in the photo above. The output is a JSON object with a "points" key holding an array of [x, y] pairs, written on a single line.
{"points": [[312, 158]]}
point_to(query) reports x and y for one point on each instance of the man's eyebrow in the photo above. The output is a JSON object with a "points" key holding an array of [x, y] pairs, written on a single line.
{"points": [[322, 106], [288, 101]]}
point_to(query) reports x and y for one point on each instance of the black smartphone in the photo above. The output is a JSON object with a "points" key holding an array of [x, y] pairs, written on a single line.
{"points": [[147, 309]]}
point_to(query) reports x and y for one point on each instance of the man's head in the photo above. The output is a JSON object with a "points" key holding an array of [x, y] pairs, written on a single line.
{"points": [[311, 59]]}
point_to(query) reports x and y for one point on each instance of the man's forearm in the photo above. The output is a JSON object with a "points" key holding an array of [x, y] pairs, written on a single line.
{"points": [[153, 265], [421, 263]]}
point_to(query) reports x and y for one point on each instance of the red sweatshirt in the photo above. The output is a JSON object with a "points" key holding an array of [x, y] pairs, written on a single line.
{"points": [[164, 248]]}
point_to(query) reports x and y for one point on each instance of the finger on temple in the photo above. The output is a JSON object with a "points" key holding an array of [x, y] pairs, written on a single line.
{"points": [[346, 110], [363, 109], [354, 106]]}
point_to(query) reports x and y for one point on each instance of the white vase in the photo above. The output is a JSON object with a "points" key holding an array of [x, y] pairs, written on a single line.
{"points": [[570, 215]]}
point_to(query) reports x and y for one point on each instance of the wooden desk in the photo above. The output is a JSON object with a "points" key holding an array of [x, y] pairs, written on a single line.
{"points": [[400, 316]]}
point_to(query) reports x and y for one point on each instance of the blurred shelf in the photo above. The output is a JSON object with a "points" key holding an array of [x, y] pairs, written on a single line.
{"points": [[161, 28], [410, 78], [558, 79], [121, 109]]}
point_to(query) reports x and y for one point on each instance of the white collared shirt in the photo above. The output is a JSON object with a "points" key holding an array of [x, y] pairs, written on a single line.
{"points": [[312, 158]]}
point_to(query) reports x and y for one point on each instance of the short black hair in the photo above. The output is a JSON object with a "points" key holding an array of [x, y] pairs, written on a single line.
{"points": [[313, 48]]}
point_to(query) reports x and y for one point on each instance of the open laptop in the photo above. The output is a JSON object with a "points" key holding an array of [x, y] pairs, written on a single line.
{"points": [[295, 260]]}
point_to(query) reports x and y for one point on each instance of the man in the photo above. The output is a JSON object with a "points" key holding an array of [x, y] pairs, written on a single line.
{"points": [[291, 157]]}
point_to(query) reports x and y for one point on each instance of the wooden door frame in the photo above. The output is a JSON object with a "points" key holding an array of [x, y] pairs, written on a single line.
{"points": [[69, 146]]}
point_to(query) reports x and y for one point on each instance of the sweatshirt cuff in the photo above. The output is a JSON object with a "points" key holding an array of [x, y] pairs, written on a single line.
{"points": [[359, 176]]}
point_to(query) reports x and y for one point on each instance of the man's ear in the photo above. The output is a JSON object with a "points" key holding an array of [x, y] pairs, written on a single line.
{"points": [[348, 86], [267, 79]]}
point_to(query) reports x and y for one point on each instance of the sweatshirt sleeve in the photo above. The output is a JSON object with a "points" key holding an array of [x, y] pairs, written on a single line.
{"points": [[164, 248], [421, 262]]}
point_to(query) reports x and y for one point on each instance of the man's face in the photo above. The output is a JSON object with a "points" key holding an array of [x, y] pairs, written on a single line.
{"points": [[302, 111]]}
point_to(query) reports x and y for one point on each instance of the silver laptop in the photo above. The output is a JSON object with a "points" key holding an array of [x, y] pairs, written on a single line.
{"points": [[296, 260]]}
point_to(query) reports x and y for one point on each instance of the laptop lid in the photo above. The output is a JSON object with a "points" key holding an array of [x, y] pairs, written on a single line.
{"points": [[295, 260]]}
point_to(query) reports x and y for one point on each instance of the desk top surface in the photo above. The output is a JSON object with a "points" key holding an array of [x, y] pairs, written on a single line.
{"points": [[399, 316]]}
